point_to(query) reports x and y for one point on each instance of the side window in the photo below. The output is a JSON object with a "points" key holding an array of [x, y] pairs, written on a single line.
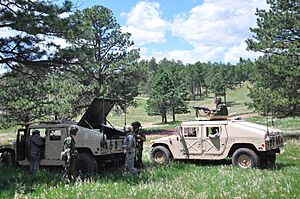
{"points": [[190, 132], [43, 132], [212, 131], [55, 135]]}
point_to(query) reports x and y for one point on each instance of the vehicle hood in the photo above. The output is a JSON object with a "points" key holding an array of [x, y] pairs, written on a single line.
{"points": [[256, 127], [166, 139], [95, 115]]}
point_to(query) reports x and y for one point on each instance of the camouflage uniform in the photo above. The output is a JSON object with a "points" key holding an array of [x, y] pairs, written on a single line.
{"points": [[221, 109], [129, 146], [35, 143], [140, 139], [70, 154]]}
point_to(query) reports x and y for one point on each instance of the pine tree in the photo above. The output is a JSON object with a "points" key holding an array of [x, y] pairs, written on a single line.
{"points": [[104, 63], [31, 24], [276, 73]]}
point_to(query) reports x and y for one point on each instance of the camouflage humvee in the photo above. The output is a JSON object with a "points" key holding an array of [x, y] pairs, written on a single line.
{"points": [[247, 144], [96, 142]]}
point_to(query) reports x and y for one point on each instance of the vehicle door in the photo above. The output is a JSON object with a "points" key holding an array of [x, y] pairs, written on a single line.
{"points": [[191, 141], [43, 132], [214, 139], [54, 142], [21, 145]]}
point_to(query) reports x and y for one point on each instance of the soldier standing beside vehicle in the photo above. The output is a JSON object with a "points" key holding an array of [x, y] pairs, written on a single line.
{"points": [[129, 149], [35, 144], [221, 109], [140, 139], [69, 153]]}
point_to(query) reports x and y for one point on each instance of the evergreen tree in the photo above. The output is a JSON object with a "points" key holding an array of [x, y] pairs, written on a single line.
{"points": [[32, 25], [220, 78], [25, 99], [276, 76], [168, 91], [102, 55], [195, 78]]}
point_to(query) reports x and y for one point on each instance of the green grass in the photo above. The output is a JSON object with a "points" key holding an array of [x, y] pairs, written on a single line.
{"points": [[177, 180], [236, 99]]}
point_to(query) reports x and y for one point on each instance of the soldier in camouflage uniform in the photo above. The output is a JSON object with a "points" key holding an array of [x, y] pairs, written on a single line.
{"points": [[129, 149], [221, 109], [70, 153], [140, 139], [35, 144]]}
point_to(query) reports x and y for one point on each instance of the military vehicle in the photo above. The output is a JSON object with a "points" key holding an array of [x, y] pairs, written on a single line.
{"points": [[96, 142], [248, 145]]}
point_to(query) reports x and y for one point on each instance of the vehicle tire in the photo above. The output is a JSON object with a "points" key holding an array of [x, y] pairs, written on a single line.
{"points": [[7, 159], [245, 158], [160, 155], [85, 165]]}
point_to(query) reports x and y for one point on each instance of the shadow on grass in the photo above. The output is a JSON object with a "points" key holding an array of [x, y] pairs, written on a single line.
{"points": [[291, 136], [231, 103]]}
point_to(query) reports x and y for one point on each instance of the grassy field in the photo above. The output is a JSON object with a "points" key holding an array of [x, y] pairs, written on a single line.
{"points": [[235, 100], [216, 179], [177, 180]]}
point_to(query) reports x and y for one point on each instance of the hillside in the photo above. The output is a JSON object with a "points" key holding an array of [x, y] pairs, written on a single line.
{"points": [[236, 100]]}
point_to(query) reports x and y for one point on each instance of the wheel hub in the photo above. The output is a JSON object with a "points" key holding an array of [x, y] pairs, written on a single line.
{"points": [[244, 161], [159, 157]]}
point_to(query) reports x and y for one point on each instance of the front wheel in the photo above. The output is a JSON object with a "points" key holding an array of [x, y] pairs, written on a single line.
{"points": [[245, 158], [160, 155], [85, 164]]}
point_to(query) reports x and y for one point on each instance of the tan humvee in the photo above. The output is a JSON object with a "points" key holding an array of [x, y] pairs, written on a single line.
{"points": [[247, 144], [96, 142]]}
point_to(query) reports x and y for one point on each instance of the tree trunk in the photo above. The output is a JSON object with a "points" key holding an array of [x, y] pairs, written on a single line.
{"points": [[166, 120], [173, 111], [192, 90], [206, 91], [200, 90], [225, 100]]}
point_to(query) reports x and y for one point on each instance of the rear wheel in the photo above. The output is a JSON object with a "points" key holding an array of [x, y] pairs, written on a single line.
{"points": [[85, 165], [160, 155], [7, 159], [245, 158]]}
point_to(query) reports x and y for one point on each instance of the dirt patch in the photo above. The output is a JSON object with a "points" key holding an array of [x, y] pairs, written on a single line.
{"points": [[243, 116], [161, 133]]}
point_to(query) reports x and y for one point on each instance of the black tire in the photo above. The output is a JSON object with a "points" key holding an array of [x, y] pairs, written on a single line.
{"points": [[160, 155], [245, 158], [85, 165], [7, 159]]}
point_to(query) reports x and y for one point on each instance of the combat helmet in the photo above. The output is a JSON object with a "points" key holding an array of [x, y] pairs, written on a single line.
{"points": [[73, 130], [135, 125], [36, 132]]}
